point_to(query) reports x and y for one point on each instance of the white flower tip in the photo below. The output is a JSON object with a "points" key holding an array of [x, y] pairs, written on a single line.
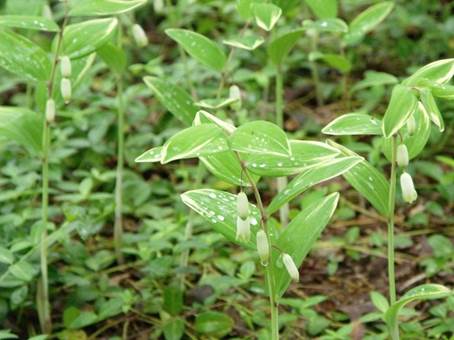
{"points": [[242, 205], [263, 247], [411, 125], [291, 267], [409, 193], [139, 35], [50, 110], [65, 67], [243, 229], [402, 156], [66, 90]]}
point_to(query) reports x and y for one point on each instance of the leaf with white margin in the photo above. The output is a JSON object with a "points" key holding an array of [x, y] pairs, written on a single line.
{"points": [[443, 91], [324, 171], [84, 38], [367, 180], [420, 293], [260, 137], [440, 72], [304, 155], [203, 117], [248, 43], [219, 209], [299, 237], [193, 142], [417, 141], [151, 156], [215, 104], [280, 47], [29, 22], [402, 104], [353, 124], [103, 7], [335, 25], [431, 108], [266, 15]]}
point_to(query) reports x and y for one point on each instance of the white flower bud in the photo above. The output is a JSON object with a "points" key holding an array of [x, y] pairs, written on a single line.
{"points": [[50, 110], [411, 125], [263, 248], [291, 267], [65, 88], [408, 189], [242, 205], [235, 94], [402, 156], [65, 67], [139, 35], [158, 6], [243, 229]]}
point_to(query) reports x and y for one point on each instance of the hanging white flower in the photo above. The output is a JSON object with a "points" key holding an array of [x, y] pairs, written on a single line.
{"points": [[242, 205], [139, 35], [66, 90], [50, 110], [65, 66], [263, 248], [408, 189], [291, 267], [402, 156], [243, 229]]}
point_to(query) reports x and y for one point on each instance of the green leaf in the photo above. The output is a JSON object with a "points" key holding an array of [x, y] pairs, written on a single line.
{"points": [[260, 137], [86, 37], [299, 237], [215, 104], [203, 117], [113, 56], [173, 329], [103, 7], [353, 124], [266, 15], [420, 293], [151, 156], [23, 57], [74, 318], [22, 126], [6, 256], [6, 334], [29, 22], [244, 8], [304, 154], [281, 46], [174, 98], [204, 50], [248, 43], [379, 301], [22, 270], [216, 324], [417, 141], [173, 300], [219, 209], [323, 9], [367, 180], [225, 165], [443, 91], [193, 142], [337, 61], [439, 72], [402, 104], [334, 25], [431, 108], [367, 20], [321, 172], [374, 78]]}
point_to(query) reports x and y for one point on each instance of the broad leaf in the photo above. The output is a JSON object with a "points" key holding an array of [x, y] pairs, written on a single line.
{"points": [[336, 61], [323, 9], [173, 329], [151, 156], [249, 42], [113, 56], [22, 270], [29, 22], [443, 91], [260, 137], [326, 25], [367, 180], [440, 72], [420, 293], [204, 50], [244, 8], [193, 142], [215, 324], [417, 141], [304, 154], [366, 21], [402, 104], [174, 98], [21, 126], [266, 15], [280, 47], [353, 124], [219, 209], [103, 7], [299, 237], [374, 78], [321, 172], [6, 256], [431, 108], [86, 37], [23, 57]]}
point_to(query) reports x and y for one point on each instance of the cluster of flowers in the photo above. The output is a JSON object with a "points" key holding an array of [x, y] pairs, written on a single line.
{"points": [[409, 193]]}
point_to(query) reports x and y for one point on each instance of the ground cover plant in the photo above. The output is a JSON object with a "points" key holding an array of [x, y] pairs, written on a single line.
{"points": [[226, 169]]}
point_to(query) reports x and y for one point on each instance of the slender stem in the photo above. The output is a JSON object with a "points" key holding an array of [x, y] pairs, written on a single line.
{"points": [[269, 269], [118, 223], [315, 73], [43, 304]]}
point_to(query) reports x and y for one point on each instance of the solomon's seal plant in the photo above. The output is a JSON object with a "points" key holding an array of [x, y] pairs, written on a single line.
{"points": [[405, 130]]}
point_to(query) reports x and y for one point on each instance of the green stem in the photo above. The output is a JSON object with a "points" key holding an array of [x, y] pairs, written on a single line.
{"points": [[315, 73], [118, 223], [391, 255], [42, 297]]}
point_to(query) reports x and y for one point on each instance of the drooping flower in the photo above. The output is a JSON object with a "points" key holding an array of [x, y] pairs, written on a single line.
{"points": [[408, 189], [139, 35], [243, 229], [411, 125], [402, 156], [65, 67], [242, 205], [50, 110], [263, 248], [291, 267], [66, 90]]}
